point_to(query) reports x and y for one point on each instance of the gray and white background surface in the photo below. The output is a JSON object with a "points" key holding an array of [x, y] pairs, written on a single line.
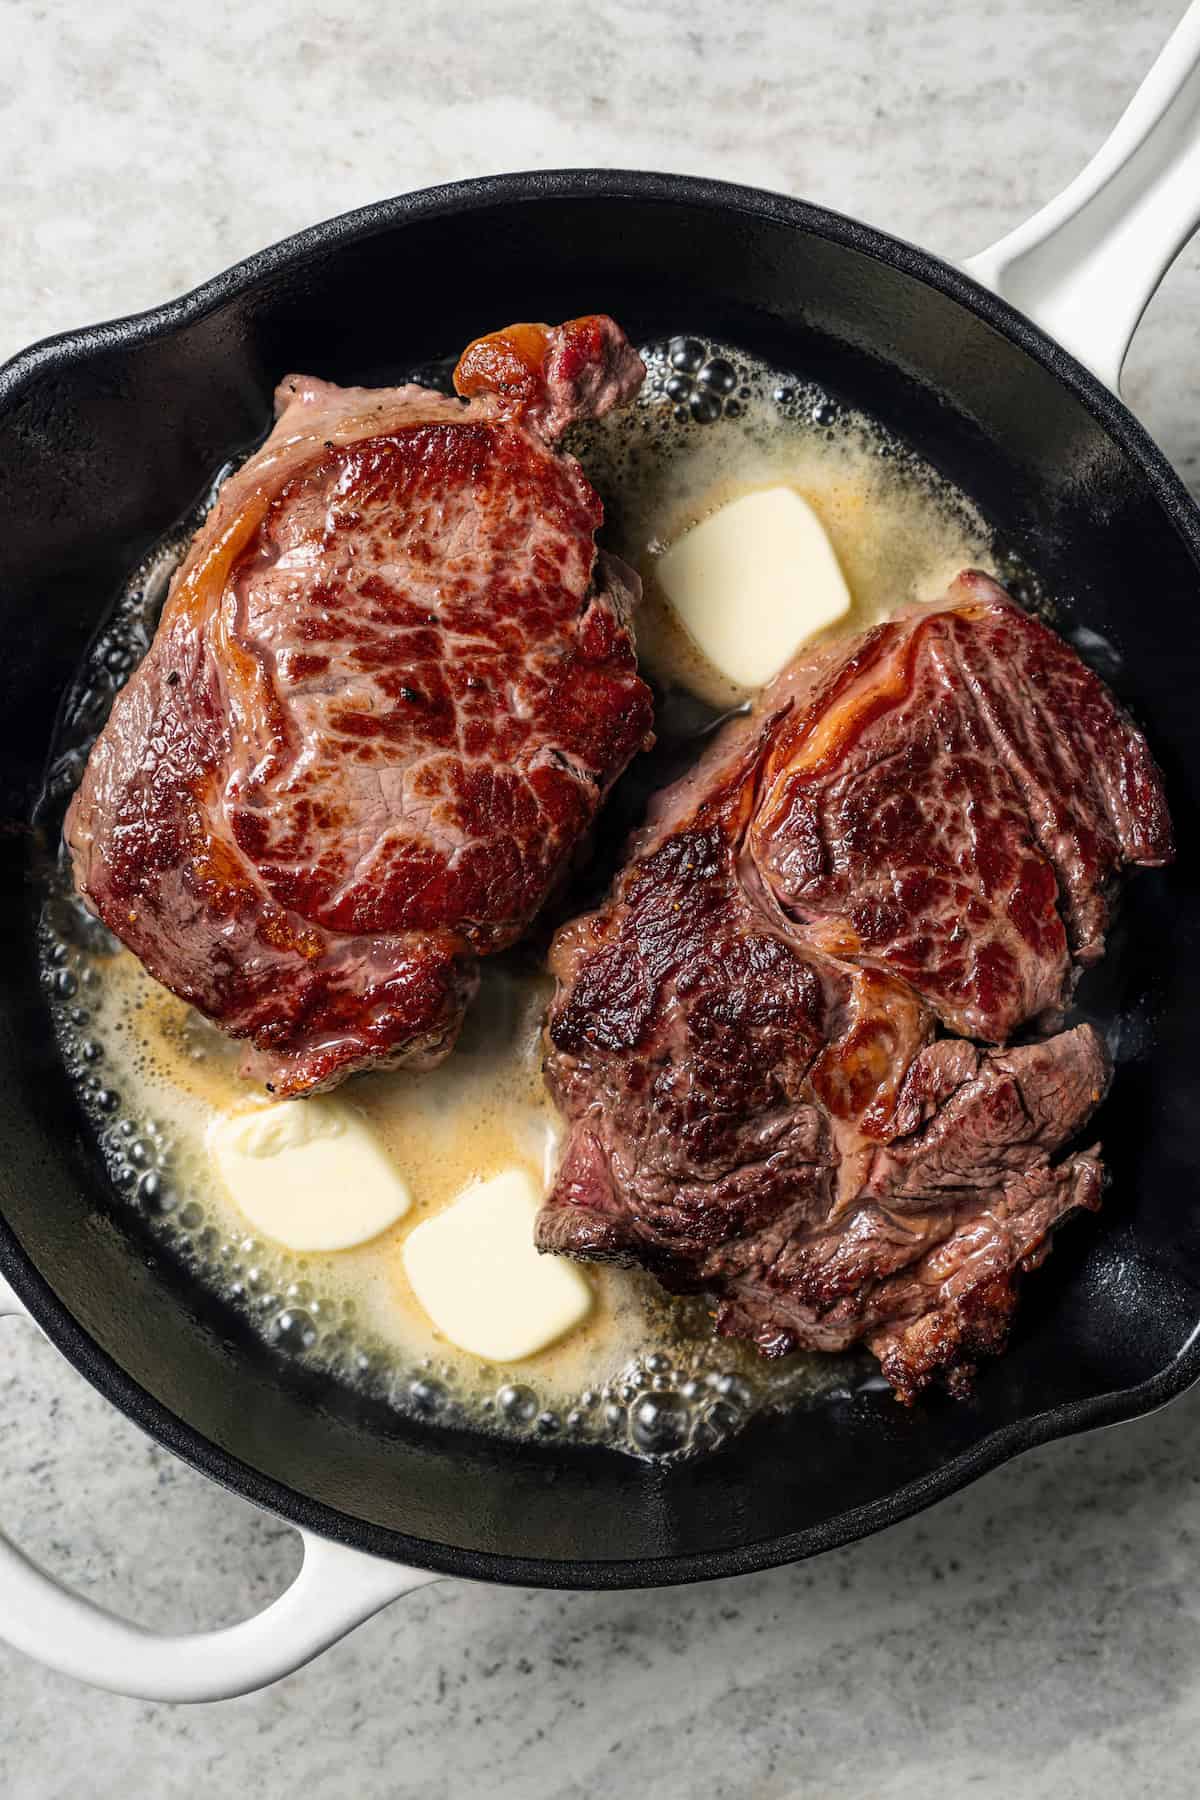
{"points": [[1039, 1635]]}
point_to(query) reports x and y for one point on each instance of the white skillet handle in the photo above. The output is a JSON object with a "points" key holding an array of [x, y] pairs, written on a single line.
{"points": [[335, 1590], [1084, 267]]}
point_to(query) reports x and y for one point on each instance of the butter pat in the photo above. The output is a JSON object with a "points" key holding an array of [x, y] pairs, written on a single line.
{"points": [[753, 582], [308, 1173], [475, 1271]]}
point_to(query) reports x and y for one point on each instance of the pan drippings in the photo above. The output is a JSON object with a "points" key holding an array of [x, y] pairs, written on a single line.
{"points": [[643, 1373]]}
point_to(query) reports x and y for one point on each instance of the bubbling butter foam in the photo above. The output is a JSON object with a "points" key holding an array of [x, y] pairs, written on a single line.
{"points": [[713, 424], [642, 1373]]}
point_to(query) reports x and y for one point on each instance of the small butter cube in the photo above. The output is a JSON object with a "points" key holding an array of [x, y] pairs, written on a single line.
{"points": [[753, 582], [308, 1173], [474, 1269]]}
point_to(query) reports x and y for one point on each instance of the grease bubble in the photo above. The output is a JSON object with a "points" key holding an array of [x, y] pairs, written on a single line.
{"points": [[660, 1423]]}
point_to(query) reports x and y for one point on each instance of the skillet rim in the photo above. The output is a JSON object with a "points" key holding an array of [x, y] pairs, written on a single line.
{"points": [[71, 348]]}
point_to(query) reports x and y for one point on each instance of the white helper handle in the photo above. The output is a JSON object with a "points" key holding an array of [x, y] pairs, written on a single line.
{"points": [[335, 1590], [1085, 266]]}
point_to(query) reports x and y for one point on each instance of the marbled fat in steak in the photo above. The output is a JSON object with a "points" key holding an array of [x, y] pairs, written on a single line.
{"points": [[953, 803], [921, 829], [392, 684]]}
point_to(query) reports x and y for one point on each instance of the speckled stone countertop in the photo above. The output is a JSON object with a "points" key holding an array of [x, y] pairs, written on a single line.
{"points": [[1040, 1634]]}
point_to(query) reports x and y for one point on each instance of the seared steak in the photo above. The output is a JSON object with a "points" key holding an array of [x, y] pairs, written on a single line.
{"points": [[743, 1038], [392, 683]]}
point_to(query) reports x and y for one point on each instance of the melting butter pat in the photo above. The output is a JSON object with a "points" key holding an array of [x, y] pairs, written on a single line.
{"points": [[475, 1271], [308, 1173], [753, 582]]}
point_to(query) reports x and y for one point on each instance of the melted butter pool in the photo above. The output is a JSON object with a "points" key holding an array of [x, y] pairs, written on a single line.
{"points": [[643, 1373]]}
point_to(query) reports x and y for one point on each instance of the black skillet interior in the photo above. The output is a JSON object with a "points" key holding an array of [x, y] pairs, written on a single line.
{"points": [[108, 436]]}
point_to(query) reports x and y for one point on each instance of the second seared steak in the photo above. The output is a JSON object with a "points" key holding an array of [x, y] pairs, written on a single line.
{"points": [[744, 1041], [392, 683]]}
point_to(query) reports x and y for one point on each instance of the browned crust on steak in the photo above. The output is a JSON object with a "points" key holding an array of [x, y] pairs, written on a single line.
{"points": [[922, 828], [392, 684]]}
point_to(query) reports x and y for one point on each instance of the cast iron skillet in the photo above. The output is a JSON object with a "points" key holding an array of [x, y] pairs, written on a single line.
{"points": [[107, 437]]}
